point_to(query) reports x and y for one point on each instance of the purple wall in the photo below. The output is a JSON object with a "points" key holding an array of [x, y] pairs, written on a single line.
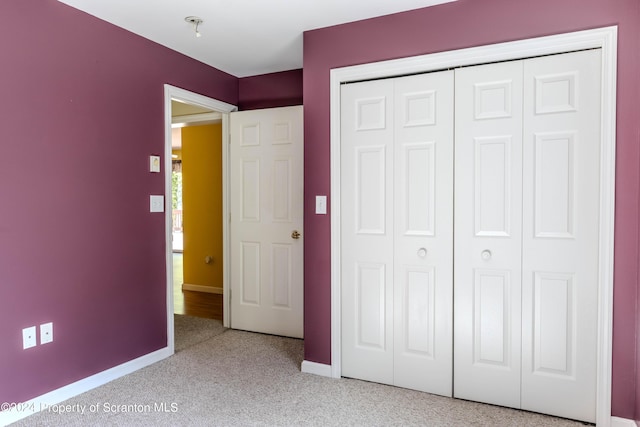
{"points": [[457, 25], [270, 90], [81, 110]]}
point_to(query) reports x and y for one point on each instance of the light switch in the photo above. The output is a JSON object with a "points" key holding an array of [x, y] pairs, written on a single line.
{"points": [[156, 203], [154, 163], [321, 205]]}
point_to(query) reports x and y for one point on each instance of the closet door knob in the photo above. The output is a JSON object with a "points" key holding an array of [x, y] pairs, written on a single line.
{"points": [[422, 252], [486, 254]]}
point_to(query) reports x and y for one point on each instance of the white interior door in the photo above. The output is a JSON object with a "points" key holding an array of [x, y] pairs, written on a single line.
{"points": [[396, 172], [488, 229], [423, 232], [560, 234], [266, 195], [527, 219], [367, 231]]}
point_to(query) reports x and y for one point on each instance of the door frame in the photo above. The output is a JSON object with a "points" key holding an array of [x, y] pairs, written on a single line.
{"points": [[603, 38], [182, 95]]}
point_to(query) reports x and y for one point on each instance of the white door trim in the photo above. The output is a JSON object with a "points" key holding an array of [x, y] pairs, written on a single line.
{"points": [[603, 38], [178, 94]]}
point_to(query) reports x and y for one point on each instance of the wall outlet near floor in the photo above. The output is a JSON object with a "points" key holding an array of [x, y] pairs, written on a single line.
{"points": [[46, 333], [29, 337]]}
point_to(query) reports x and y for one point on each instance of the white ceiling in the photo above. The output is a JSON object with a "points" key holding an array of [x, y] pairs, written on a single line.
{"points": [[240, 37]]}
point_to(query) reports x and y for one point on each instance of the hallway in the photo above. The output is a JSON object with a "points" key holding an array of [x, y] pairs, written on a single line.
{"points": [[198, 304]]}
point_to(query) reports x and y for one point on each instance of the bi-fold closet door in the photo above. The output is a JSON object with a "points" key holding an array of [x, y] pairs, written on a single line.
{"points": [[397, 224], [523, 273], [527, 198]]}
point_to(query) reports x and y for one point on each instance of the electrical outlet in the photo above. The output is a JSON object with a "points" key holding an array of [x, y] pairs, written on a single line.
{"points": [[46, 333], [29, 337]]}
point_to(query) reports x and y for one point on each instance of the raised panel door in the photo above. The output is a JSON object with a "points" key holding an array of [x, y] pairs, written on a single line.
{"points": [[266, 158], [397, 247], [560, 234], [487, 260], [423, 232], [367, 230]]}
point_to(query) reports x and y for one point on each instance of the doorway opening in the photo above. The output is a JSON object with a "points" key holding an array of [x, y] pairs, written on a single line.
{"points": [[188, 110], [196, 198]]}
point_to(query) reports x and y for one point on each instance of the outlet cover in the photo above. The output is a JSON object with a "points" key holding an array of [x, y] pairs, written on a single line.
{"points": [[29, 337], [46, 333]]}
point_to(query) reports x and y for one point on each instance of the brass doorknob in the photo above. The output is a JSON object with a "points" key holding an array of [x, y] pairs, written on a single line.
{"points": [[295, 234]]}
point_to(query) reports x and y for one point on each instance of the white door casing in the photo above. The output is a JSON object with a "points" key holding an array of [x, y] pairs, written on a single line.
{"points": [[397, 231], [266, 198], [185, 96], [604, 38]]}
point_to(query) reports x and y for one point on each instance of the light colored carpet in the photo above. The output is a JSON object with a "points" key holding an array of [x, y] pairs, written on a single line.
{"points": [[239, 378], [190, 330]]}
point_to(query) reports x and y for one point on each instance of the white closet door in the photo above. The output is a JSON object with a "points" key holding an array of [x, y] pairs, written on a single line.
{"points": [[488, 221], [396, 172], [367, 230], [423, 223], [560, 238], [527, 155]]}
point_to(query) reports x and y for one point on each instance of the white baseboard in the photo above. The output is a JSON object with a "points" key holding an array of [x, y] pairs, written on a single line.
{"points": [[316, 368], [67, 392], [201, 288], [622, 422]]}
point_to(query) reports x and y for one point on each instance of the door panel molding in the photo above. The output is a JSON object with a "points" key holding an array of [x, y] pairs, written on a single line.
{"points": [[602, 38]]}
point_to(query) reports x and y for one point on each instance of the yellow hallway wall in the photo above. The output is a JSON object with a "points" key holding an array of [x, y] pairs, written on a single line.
{"points": [[202, 204]]}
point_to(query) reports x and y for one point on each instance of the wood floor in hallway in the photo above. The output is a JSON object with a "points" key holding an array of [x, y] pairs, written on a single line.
{"points": [[198, 304]]}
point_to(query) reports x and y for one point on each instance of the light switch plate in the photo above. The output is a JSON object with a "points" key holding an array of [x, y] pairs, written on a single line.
{"points": [[156, 203], [154, 163], [321, 205]]}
